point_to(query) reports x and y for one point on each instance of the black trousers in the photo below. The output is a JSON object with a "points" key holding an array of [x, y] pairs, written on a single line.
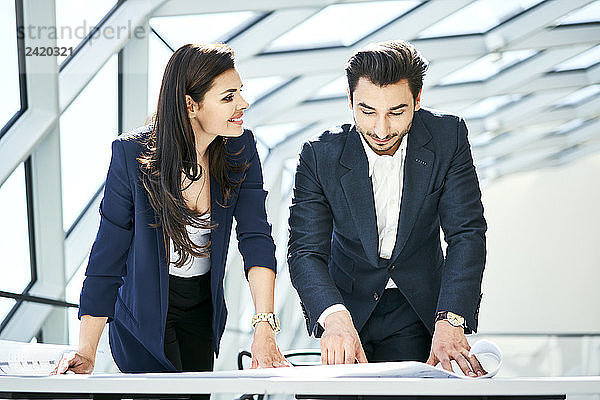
{"points": [[189, 342], [394, 331]]}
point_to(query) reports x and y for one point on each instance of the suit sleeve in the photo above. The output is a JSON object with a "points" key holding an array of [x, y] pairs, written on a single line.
{"points": [[107, 262], [464, 226], [309, 247], [253, 230]]}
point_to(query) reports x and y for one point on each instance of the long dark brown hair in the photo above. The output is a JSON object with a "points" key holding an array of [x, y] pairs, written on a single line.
{"points": [[171, 147]]}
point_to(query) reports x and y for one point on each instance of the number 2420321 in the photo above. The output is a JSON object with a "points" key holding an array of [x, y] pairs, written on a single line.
{"points": [[48, 51]]}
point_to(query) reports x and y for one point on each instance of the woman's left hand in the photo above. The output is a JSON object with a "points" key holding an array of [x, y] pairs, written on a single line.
{"points": [[265, 353]]}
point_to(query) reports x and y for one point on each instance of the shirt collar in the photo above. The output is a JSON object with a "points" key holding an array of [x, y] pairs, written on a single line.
{"points": [[372, 157]]}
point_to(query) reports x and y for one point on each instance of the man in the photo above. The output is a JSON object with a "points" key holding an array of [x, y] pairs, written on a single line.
{"points": [[369, 199]]}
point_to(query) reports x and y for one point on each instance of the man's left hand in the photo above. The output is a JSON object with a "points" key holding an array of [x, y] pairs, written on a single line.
{"points": [[449, 343], [265, 353]]}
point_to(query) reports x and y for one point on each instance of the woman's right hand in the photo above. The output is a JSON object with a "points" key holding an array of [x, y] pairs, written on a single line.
{"points": [[75, 362]]}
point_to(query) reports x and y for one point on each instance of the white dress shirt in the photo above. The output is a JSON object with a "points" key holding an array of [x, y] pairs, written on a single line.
{"points": [[387, 177]]}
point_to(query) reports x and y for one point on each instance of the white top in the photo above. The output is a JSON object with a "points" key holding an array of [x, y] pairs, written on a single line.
{"points": [[387, 177], [194, 266]]}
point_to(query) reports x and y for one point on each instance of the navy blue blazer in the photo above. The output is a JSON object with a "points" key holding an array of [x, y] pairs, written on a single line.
{"points": [[333, 244], [127, 277]]}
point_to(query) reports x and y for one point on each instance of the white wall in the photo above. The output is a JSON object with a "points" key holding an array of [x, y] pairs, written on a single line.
{"points": [[543, 269]]}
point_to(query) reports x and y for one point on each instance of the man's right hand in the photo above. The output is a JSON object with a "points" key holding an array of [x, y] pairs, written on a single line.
{"points": [[340, 343], [75, 362]]}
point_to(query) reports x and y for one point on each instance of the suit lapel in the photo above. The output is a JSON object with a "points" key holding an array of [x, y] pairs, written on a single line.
{"points": [[216, 215], [163, 270], [358, 190], [418, 166]]}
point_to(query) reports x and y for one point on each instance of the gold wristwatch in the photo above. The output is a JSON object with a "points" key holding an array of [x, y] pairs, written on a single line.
{"points": [[267, 317], [453, 319]]}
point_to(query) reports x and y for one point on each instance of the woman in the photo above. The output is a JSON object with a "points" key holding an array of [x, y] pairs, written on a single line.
{"points": [[171, 193]]}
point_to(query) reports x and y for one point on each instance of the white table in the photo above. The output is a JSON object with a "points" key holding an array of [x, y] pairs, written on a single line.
{"points": [[153, 385]]}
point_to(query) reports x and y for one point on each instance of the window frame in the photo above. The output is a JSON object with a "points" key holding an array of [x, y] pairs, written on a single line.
{"points": [[22, 73]]}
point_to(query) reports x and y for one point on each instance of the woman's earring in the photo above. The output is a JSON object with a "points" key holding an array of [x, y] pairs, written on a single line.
{"points": [[224, 140]]}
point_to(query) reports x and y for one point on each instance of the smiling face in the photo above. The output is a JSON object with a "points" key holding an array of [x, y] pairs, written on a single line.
{"points": [[220, 111], [383, 114]]}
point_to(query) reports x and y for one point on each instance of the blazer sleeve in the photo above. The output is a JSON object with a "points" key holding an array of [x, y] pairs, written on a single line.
{"points": [[309, 247], [253, 230], [464, 226], [107, 262]]}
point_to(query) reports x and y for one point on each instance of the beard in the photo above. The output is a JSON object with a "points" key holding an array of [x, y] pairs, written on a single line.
{"points": [[378, 149]]}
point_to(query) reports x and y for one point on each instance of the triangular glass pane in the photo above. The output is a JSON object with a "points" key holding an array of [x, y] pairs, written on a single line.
{"points": [[272, 135], [581, 61], [262, 150], [568, 126], [255, 89], [478, 17], [587, 14], [341, 25], [15, 269], [10, 101], [75, 19], [5, 306], [91, 120], [158, 58], [487, 66], [481, 139], [334, 89], [579, 96], [489, 105], [204, 28]]}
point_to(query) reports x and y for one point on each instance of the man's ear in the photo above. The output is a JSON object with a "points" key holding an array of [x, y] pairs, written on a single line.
{"points": [[418, 100], [189, 104]]}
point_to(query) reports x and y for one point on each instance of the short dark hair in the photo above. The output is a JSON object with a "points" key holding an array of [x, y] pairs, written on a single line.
{"points": [[385, 63]]}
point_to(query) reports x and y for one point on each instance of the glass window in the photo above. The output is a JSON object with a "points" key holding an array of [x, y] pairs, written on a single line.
{"points": [[287, 184], [478, 17], [204, 28], [272, 135], [568, 126], [75, 19], [6, 305], [87, 129], [579, 96], [482, 139], [256, 88], [263, 151], [72, 292], [158, 58], [159, 54], [341, 25], [487, 106], [487, 66], [581, 61], [332, 90], [10, 101], [15, 268], [589, 13]]}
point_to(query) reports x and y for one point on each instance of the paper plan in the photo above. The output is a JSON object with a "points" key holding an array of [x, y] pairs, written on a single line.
{"points": [[487, 352], [27, 359], [18, 358]]}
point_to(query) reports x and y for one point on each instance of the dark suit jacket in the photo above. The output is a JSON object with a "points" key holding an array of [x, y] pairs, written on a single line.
{"points": [[333, 245], [127, 277]]}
